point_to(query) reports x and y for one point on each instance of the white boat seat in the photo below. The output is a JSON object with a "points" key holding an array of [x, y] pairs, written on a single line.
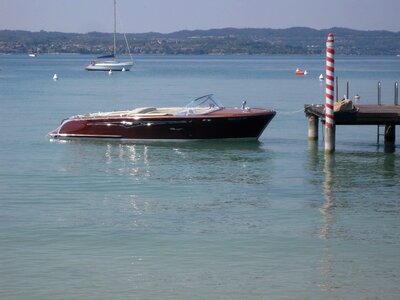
{"points": [[144, 110]]}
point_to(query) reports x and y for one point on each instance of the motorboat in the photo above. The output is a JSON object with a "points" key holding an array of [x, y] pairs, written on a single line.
{"points": [[110, 62], [300, 72], [202, 118]]}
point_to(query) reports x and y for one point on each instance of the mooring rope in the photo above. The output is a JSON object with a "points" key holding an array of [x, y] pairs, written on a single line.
{"points": [[290, 112]]}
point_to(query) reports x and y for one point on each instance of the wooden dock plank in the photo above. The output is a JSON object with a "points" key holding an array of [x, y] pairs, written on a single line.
{"points": [[362, 115]]}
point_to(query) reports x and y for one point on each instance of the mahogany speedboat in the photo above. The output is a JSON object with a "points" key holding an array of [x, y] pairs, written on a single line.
{"points": [[203, 118]]}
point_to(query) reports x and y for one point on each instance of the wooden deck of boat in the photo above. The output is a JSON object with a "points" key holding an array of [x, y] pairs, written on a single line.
{"points": [[361, 115]]}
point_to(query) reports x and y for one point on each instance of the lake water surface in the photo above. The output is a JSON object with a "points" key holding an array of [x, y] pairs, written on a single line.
{"points": [[274, 219]]}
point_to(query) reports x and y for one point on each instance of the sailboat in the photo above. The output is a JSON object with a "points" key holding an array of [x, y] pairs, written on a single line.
{"points": [[110, 62]]}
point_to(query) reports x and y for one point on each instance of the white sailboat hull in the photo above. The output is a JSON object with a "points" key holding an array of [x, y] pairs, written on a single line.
{"points": [[109, 65]]}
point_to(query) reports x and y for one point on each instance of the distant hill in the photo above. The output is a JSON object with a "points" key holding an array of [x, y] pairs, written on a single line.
{"points": [[295, 40]]}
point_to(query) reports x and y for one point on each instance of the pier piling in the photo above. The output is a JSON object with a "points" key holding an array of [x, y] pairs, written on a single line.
{"points": [[330, 139], [390, 133], [312, 127]]}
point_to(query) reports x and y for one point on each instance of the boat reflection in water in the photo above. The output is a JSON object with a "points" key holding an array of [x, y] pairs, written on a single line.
{"points": [[200, 162], [203, 118]]}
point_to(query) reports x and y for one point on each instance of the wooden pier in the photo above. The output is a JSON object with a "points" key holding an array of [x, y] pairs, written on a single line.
{"points": [[387, 115], [334, 113]]}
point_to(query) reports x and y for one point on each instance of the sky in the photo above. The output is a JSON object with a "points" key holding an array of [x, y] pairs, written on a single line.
{"points": [[165, 16]]}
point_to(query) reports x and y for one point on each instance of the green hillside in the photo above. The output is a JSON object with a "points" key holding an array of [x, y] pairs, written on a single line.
{"points": [[296, 40]]}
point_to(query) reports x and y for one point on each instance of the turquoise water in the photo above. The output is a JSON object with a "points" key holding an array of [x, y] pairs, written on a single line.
{"points": [[274, 219]]}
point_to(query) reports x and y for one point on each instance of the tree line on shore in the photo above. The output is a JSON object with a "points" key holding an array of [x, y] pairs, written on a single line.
{"points": [[263, 41]]}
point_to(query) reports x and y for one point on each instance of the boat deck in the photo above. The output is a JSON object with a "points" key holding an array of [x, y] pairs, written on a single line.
{"points": [[151, 111]]}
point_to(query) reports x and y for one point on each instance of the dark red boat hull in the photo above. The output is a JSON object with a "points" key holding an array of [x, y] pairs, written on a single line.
{"points": [[227, 123]]}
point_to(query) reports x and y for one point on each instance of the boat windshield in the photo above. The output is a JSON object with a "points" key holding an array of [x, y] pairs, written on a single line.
{"points": [[206, 101]]}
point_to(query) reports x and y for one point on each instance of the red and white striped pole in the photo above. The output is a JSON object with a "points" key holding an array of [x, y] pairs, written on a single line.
{"points": [[329, 106], [330, 81]]}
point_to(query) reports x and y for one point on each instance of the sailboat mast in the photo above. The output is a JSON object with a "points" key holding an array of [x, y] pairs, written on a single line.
{"points": [[115, 26]]}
